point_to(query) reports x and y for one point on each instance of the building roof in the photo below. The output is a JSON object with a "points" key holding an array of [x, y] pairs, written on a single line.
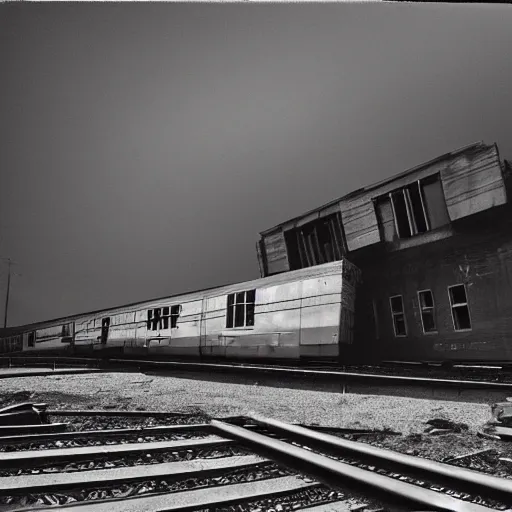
{"points": [[364, 190]]}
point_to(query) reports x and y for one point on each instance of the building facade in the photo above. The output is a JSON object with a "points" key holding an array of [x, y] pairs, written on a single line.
{"points": [[434, 246]]}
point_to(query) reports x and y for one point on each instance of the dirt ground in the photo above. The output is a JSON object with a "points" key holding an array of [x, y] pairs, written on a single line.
{"points": [[217, 399]]}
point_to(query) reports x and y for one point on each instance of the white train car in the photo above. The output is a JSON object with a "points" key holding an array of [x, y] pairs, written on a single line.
{"points": [[303, 313], [299, 314]]}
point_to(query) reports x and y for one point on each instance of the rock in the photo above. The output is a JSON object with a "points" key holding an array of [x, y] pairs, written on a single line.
{"points": [[502, 412]]}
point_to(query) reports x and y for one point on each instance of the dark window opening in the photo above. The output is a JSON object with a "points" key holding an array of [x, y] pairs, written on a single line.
{"points": [[165, 317], [175, 313], [460, 307], [105, 324], [403, 226], [314, 243], [31, 339], [398, 315], [240, 309], [428, 319], [162, 318], [416, 209]]}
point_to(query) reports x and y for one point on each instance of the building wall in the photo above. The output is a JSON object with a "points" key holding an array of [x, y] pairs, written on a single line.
{"points": [[479, 255]]}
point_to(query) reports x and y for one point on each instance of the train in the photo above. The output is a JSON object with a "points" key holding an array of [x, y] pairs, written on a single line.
{"points": [[298, 315]]}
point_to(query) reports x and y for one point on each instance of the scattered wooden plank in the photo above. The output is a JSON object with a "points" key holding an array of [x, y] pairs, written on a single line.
{"points": [[467, 455]]}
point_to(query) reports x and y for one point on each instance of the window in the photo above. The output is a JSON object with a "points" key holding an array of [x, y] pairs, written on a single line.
{"points": [[428, 319], [32, 339], [460, 308], [409, 211], [397, 312], [413, 210], [160, 318], [240, 312], [314, 243]]}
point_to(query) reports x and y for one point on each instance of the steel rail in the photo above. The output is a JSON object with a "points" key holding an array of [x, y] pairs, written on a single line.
{"points": [[50, 372], [430, 467], [383, 483], [41, 430], [304, 372], [109, 412], [40, 457], [92, 434]]}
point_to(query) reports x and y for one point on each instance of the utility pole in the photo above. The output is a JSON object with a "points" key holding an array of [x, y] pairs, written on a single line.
{"points": [[7, 295]]}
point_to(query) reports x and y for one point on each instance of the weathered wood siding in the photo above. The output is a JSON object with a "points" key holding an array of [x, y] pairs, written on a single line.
{"points": [[473, 182], [261, 258], [275, 252], [387, 221], [360, 223]]}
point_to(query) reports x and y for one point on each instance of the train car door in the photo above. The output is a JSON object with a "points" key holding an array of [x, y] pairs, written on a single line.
{"points": [[105, 325]]}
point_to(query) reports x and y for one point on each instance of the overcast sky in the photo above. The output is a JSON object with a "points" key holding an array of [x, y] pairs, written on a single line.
{"points": [[144, 146]]}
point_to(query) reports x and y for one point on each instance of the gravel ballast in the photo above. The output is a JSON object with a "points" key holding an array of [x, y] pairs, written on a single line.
{"points": [[217, 399]]}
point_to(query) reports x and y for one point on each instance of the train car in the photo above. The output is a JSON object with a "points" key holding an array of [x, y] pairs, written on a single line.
{"points": [[301, 314], [306, 313]]}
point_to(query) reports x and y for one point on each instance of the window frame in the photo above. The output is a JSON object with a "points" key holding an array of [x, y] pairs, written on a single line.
{"points": [[430, 308], [459, 305], [233, 306], [31, 339], [164, 320], [393, 315], [405, 192]]}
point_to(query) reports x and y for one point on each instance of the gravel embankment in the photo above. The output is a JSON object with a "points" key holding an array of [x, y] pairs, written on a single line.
{"points": [[167, 393]]}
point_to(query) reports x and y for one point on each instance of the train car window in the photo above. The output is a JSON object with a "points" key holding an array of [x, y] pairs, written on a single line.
{"points": [[427, 310], [157, 320], [240, 309], [165, 317], [230, 312], [175, 313], [397, 312], [460, 308], [32, 339], [162, 318]]}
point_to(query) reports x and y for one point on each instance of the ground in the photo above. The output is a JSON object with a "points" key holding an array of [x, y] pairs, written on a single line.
{"points": [[217, 399]]}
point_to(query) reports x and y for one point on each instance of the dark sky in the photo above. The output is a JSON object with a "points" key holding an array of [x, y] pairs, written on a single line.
{"points": [[144, 146]]}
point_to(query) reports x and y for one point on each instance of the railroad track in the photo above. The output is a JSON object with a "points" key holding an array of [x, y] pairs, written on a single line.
{"points": [[247, 464]]}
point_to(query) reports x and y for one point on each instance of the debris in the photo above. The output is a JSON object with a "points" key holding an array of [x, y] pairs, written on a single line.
{"points": [[488, 436], [502, 412], [440, 431], [472, 454], [440, 423]]}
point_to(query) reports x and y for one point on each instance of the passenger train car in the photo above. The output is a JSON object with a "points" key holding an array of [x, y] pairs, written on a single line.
{"points": [[307, 313]]}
